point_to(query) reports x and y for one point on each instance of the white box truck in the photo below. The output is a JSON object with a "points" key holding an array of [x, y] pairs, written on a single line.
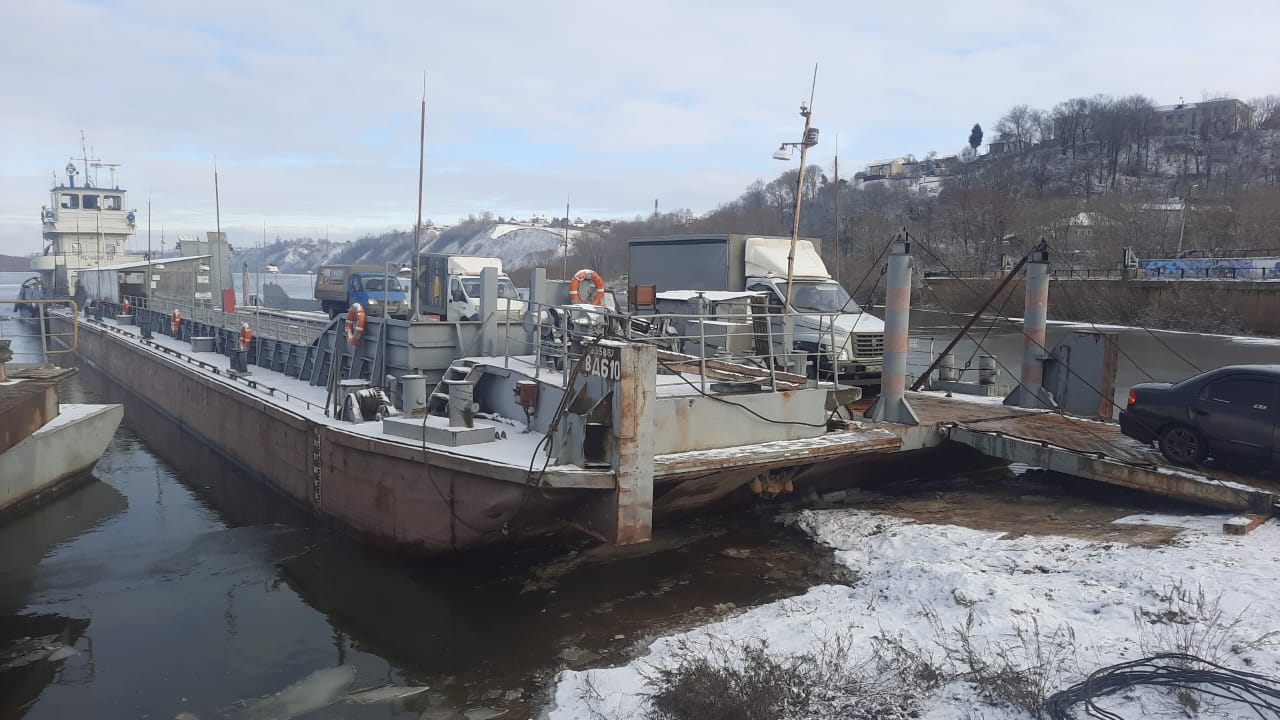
{"points": [[828, 326], [450, 287]]}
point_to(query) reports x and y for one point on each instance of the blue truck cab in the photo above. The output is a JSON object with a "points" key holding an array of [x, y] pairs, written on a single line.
{"points": [[338, 287]]}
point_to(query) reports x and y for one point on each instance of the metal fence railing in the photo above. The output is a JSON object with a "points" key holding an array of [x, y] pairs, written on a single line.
{"points": [[265, 322], [728, 341], [33, 335]]}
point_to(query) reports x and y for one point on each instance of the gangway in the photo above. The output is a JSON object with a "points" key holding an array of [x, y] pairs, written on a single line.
{"points": [[1091, 449]]}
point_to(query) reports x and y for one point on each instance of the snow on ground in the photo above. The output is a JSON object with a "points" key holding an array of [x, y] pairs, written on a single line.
{"points": [[919, 582]]}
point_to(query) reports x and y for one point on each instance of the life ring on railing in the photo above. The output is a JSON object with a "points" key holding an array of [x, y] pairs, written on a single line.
{"points": [[176, 323], [576, 283], [355, 324], [125, 308], [246, 336]]}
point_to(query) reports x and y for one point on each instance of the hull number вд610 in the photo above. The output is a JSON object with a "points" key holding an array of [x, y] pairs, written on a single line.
{"points": [[603, 362]]}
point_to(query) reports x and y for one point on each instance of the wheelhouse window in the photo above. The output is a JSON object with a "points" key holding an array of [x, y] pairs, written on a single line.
{"points": [[69, 201], [110, 202], [90, 202]]}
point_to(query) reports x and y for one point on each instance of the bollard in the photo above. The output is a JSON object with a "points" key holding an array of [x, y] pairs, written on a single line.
{"points": [[987, 372], [892, 405], [947, 371], [1031, 392]]}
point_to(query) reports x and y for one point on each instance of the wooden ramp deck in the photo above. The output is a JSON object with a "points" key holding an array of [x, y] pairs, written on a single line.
{"points": [[1091, 449]]}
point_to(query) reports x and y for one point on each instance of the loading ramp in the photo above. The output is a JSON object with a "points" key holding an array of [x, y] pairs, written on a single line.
{"points": [[1091, 449]]}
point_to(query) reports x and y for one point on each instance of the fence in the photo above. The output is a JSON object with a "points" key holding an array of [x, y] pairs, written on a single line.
{"points": [[37, 327]]}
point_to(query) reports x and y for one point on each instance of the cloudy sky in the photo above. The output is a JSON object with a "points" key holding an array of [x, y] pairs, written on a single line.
{"points": [[311, 108]]}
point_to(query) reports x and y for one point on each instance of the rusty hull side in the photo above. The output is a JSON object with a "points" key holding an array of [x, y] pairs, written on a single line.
{"points": [[24, 408], [365, 486]]}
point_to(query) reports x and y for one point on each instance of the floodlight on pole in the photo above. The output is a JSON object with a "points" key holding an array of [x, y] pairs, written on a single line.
{"points": [[808, 139]]}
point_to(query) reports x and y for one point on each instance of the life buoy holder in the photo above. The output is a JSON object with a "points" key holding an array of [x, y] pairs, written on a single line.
{"points": [[355, 324], [576, 283], [176, 323], [246, 336]]}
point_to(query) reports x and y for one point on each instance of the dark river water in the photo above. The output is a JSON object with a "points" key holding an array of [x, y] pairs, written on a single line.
{"points": [[173, 583]]}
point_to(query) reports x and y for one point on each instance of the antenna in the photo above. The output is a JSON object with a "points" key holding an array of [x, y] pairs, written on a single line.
{"points": [[836, 187], [111, 167], [417, 227]]}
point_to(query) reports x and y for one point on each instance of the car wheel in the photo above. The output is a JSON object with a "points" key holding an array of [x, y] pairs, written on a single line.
{"points": [[1182, 445]]}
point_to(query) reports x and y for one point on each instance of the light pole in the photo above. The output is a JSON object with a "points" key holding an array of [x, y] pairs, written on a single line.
{"points": [[807, 140], [1186, 208]]}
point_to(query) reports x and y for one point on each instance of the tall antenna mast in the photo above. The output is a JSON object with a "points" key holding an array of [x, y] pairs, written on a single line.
{"points": [[217, 214], [836, 186], [564, 272], [417, 227]]}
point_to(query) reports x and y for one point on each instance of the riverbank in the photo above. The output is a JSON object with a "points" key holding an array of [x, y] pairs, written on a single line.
{"points": [[1203, 305]]}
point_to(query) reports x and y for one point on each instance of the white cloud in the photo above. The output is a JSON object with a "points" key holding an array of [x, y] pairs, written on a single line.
{"points": [[312, 108]]}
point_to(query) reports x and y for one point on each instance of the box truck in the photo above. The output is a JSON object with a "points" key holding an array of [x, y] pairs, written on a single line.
{"points": [[828, 327]]}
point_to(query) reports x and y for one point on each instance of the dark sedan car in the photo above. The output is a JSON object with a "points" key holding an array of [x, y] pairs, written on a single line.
{"points": [[1232, 414]]}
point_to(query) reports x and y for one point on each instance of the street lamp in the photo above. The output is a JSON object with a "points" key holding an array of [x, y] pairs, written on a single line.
{"points": [[1186, 208], [807, 140]]}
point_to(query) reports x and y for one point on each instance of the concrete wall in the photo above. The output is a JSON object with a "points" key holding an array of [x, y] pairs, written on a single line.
{"points": [[1206, 305]]}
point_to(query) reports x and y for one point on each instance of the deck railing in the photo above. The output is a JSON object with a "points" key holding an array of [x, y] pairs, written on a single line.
{"points": [[35, 328]]}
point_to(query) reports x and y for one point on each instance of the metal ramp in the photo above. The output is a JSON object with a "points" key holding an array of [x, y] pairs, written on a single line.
{"points": [[1091, 449]]}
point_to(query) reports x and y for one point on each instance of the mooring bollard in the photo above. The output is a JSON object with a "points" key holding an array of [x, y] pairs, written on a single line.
{"points": [[892, 405]]}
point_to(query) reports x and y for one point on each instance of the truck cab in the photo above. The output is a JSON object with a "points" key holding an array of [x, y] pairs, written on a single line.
{"points": [[338, 287]]}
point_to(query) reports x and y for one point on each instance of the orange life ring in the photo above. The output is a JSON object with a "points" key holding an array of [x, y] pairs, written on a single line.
{"points": [[124, 309], [355, 324], [176, 324], [246, 336], [576, 283]]}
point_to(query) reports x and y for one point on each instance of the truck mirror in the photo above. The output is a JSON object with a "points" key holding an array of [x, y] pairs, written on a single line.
{"points": [[458, 296]]}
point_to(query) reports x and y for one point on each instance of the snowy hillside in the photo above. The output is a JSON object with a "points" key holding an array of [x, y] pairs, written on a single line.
{"points": [[517, 245]]}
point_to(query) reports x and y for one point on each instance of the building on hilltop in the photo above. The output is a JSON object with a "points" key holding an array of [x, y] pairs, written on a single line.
{"points": [[895, 167], [1218, 117]]}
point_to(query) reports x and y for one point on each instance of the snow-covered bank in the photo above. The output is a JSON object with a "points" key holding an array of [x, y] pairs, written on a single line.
{"points": [[1086, 603]]}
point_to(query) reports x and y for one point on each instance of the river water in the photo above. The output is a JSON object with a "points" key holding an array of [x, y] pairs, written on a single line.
{"points": [[174, 583]]}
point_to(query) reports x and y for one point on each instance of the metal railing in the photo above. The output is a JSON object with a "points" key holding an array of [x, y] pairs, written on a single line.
{"points": [[746, 336], [265, 322], [39, 322]]}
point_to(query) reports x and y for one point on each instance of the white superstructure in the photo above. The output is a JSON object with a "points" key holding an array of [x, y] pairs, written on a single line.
{"points": [[85, 226]]}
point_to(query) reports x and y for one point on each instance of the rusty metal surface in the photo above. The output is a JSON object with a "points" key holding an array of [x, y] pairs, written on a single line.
{"points": [[728, 371], [54, 374], [763, 456], [1194, 487], [24, 408]]}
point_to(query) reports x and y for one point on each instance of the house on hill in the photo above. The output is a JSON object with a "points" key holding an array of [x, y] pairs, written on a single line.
{"points": [[1219, 117]]}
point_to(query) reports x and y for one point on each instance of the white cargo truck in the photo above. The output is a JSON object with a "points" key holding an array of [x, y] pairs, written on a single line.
{"points": [[450, 287], [828, 327]]}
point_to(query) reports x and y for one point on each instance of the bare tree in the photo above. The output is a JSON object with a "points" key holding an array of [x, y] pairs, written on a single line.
{"points": [[1266, 112], [1020, 126]]}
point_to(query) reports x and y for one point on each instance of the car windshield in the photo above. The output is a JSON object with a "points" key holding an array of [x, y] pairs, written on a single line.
{"points": [[505, 288], [827, 297], [374, 285]]}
